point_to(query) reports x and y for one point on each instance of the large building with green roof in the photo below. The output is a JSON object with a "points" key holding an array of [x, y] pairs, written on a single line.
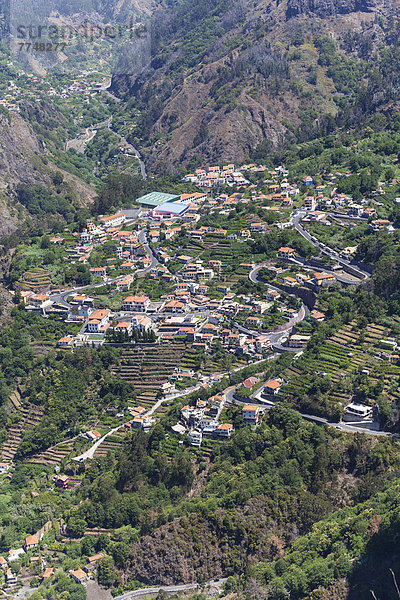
{"points": [[155, 199]]}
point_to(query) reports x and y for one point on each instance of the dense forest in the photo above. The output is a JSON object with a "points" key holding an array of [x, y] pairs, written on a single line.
{"points": [[264, 488]]}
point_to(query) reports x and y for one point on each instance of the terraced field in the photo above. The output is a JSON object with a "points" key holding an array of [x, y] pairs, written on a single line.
{"points": [[54, 455], [148, 367], [189, 360], [36, 280], [225, 251], [345, 353], [113, 442], [28, 416]]}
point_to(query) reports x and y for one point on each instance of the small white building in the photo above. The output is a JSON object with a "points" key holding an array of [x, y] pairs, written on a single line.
{"points": [[112, 220], [195, 437], [251, 414], [357, 412]]}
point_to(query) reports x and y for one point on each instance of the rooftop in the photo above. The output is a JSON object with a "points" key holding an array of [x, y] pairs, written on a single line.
{"points": [[156, 198], [176, 208]]}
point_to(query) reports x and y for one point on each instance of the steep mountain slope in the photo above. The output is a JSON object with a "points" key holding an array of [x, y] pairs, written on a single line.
{"points": [[23, 161], [226, 77]]}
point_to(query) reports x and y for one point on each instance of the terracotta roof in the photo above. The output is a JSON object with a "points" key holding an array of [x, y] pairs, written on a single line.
{"points": [[79, 574], [136, 299], [31, 540], [249, 408], [323, 276], [100, 314], [48, 573], [274, 384]]}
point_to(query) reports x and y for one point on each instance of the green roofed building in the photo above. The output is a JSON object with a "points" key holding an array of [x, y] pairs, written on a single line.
{"points": [[154, 199]]}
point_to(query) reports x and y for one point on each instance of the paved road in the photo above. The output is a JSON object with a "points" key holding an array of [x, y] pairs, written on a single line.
{"points": [[172, 589], [61, 298], [256, 400], [149, 252], [325, 250], [90, 453], [275, 335], [132, 150], [347, 428]]}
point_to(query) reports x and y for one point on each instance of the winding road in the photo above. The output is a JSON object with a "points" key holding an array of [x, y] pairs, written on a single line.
{"points": [[171, 589], [132, 150], [347, 428], [91, 451], [61, 297], [86, 135], [363, 275], [275, 336]]}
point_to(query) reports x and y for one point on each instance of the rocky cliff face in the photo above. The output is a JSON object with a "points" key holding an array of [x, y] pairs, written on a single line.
{"points": [[20, 152], [24, 159]]}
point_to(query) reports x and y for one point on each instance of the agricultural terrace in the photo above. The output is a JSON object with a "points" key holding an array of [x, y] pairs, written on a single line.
{"points": [[353, 365]]}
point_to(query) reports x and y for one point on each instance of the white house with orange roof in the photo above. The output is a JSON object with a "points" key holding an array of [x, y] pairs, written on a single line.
{"points": [[273, 387], [224, 430], [138, 304], [11, 578], [92, 435], [323, 279], [39, 300], [79, 576], [31, 541], [251, 414], [124, 284], [112, 220], [99, 321], [193, 197], [142, 323], [286, 252], [65, 342]]}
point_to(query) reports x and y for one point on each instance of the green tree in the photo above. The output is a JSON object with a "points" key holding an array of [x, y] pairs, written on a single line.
{"points": [[76, 526], [106, 575]]}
